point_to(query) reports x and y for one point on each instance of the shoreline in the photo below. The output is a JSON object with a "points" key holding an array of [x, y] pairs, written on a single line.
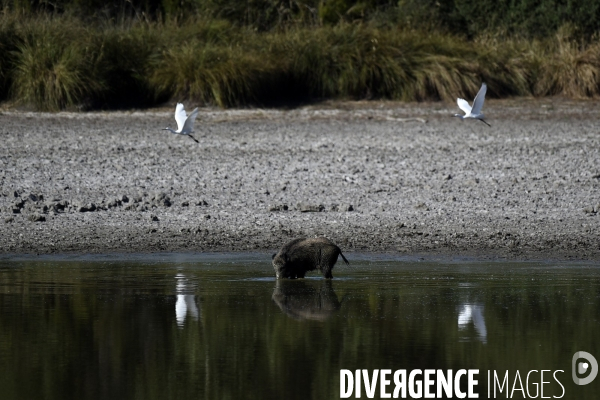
{"points": [[264, 257], [383, 177]]}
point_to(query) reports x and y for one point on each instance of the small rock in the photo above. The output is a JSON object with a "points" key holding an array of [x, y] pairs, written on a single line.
{"points": [[305, 207], [29, 207], [161, 199], [278, 207], [342, 207], [36, 217], [201, 203], [159, 196], [185, 204], [9, 219], [113, 203], [422, 206], [154, 218], [124, 199], [19, 203], [206, 216], [589, 210], [87, 208], [447, 177], [35, 197]]}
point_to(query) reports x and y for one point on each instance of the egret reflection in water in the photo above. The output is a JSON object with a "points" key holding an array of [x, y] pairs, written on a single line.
{"points": [[186, 302], [473, 313], [304, 300]]}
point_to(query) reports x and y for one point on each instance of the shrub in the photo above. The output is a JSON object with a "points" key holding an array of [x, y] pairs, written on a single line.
{"points": [[208, 73], [566, 67], [59, 61], [55, 65]]}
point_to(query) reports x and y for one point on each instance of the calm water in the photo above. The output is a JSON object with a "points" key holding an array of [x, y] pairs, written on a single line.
{"points": [[221, 326]]}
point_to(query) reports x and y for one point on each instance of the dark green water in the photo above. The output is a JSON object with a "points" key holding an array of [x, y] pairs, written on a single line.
{"points": [[221, 326]]}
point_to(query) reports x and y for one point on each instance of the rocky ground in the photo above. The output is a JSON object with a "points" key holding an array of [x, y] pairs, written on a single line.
{"points": [[372, 176]]}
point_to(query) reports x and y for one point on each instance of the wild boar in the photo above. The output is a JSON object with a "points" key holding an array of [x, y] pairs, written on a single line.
{"points": [[299, 256]]}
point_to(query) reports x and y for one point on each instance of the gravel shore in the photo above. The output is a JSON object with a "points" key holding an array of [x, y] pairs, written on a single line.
{"points": [[371, 176]]}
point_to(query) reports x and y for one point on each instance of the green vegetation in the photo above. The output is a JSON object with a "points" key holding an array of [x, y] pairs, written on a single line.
{"points": [[228, 53]]}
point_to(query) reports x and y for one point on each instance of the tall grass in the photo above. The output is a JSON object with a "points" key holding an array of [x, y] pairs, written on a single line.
{"points": [[53, 77], [122, 66], [362, 62], [56, 62], [8, 39], [209, 73], [567, 67]]}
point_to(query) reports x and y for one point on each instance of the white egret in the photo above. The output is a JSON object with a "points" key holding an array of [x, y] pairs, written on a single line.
{"points": [[474, 112], [185, 123]]}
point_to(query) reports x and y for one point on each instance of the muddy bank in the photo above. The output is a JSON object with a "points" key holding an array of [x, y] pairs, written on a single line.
{"points": [[370, 176]]}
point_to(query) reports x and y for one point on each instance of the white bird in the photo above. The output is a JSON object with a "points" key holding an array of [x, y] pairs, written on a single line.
{"points": [[474, 112], [185, 123]]}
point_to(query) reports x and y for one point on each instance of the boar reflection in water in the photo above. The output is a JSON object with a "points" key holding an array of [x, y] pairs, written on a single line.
{"points": [[306, 300]]}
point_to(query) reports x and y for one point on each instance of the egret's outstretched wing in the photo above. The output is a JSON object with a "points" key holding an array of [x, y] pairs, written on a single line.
{"points": [[188, 126], [180, 116], [464, 105], [478, 102]]}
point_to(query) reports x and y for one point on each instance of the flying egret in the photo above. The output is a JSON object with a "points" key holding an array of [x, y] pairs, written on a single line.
{"points": [[185, 123], [474, 112]]}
